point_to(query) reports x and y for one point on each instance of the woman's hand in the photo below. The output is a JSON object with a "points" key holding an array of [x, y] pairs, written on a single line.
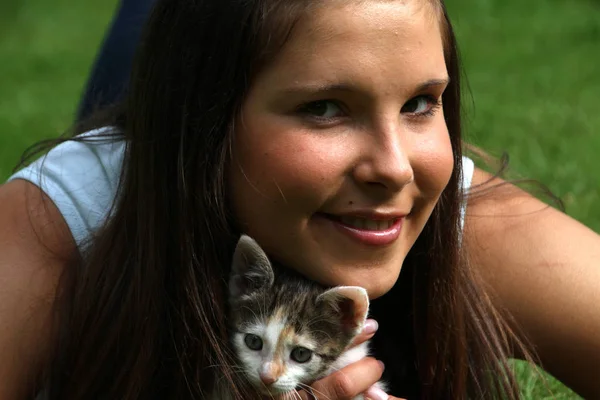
{"points": [[354, 379]]}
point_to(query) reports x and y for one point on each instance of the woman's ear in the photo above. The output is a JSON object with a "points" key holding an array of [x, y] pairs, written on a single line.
{"points": [[250, 269]]}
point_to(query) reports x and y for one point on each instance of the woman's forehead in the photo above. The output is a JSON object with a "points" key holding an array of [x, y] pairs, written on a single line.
{"points": [[372, 43], [339, 17]]}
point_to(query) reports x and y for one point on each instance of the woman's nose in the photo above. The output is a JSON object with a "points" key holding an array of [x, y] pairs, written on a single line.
{"points": [[385, 163]]}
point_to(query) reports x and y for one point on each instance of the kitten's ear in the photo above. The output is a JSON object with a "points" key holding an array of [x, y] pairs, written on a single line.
{"points": [[250, 269], [351, 303]]}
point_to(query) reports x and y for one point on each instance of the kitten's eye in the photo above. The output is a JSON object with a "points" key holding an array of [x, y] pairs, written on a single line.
{"points": [[253, 342], [301, 355]]}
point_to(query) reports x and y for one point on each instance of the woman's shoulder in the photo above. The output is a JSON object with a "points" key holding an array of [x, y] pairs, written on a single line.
{"points": [[35, 248], [81, 177]]}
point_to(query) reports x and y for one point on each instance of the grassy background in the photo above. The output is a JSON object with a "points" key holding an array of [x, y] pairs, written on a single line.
{"points": [[532, 69]]}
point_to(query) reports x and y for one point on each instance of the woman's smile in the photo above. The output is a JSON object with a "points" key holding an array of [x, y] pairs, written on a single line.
{"points": [[373, 229]]}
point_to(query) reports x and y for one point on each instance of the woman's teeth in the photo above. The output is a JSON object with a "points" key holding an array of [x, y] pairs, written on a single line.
{"points": [[367, 224]]}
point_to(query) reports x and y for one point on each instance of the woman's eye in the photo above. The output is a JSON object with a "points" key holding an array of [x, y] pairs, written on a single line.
{"points": [[420, 105], [301, 355], [322, 109], [253, 342]]}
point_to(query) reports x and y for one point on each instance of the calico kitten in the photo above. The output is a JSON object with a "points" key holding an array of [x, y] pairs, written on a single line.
{"points": [[288, 331]]}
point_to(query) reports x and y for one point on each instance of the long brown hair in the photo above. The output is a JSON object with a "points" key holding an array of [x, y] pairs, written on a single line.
{"points": [[143, 316]]}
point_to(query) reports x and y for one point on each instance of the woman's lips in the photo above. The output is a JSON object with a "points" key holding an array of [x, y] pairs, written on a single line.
{"points": [[370, 231]]}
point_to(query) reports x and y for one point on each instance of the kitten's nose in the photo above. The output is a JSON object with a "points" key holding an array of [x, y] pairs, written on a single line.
{"points": [[267, 379]]}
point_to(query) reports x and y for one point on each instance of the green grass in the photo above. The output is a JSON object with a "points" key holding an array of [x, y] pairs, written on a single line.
{"points": [[531, 66], [537, 385], [46, 48]]}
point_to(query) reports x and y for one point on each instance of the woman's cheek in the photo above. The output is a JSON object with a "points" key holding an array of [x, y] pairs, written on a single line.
{"points": [[283, 174], [434, 163], [305, 168]]}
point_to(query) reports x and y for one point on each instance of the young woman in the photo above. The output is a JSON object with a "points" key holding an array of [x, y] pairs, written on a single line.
{"points": [[330, 132]]}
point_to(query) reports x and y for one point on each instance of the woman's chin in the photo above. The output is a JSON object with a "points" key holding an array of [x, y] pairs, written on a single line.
{"points": [[377, 280], [376, 291]]}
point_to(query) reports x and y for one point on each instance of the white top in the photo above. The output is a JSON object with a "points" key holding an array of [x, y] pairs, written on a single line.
{"points": [[82, 179]]}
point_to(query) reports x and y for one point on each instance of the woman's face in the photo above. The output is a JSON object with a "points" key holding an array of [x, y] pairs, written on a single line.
{"points": [[341, 151]]}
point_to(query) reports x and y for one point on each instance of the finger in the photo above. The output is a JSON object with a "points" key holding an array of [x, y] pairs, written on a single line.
{"points": [[375, 393], [367, 333], [348, 382]]}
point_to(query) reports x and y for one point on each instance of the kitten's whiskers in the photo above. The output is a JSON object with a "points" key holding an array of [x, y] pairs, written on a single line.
{"points": [[334, 369], [253, 313], [267, 390], [305, 386], [295, 394], [235, 369]]}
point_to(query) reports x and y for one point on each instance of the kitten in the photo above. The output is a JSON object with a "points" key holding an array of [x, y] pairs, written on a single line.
{"points": [[288, 331]]}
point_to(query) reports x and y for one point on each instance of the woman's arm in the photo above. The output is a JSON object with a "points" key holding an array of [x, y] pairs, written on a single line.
{"points": [[34, 245], [544, 268]]}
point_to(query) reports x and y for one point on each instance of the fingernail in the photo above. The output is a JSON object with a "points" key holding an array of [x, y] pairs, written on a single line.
{"points": [[370, 327], [381, 364], [374, 393]]}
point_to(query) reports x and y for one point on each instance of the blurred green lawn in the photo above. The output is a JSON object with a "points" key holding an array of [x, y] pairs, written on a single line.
{"points": [[532, 67]]}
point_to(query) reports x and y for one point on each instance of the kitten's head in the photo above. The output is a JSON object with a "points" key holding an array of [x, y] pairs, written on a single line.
{"points": [[287, 330]]}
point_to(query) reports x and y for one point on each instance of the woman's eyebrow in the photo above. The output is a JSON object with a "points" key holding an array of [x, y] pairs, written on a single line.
{"points": [[312, 88], [316, 88], [433, 83]]}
